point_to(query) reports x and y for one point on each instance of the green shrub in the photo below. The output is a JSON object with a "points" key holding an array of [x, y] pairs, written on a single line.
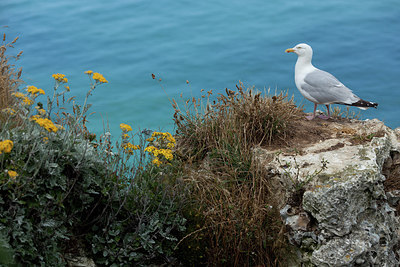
{"points": [[52, 196], [63, 191], [146, 228]]}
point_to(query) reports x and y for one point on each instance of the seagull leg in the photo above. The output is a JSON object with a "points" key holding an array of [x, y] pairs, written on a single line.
{"points": [[313, 116], [329, 112], [323, 116]]}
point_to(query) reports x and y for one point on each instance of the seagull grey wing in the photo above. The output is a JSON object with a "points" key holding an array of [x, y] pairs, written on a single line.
{"points": [[326, 89]]}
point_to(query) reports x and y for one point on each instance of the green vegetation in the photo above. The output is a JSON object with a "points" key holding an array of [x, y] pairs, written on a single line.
{"points": [[64, 191], [195, 198], [292, 171], [232, 194]]}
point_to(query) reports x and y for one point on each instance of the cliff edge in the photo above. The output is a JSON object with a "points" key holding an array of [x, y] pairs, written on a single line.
{"points": [[342, 191]]}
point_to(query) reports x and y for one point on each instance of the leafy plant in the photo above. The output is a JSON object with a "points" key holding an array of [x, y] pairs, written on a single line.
{"points": [[63, 191], [292, 171]]}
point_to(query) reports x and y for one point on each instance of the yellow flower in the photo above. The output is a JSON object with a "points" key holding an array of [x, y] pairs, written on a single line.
{"points": [[99, 78], [130, 148], [170, 138], [164, 139], [45, 139], [163, 152], [24, 98], [156, 161], [45, 123], [150, 149], [18, 95], [67, 87], [34, 90], [125, 136], [6, 146], [171, 145], [168, 154], [12, 174], [27, 101], [125, 127], [40, 111], [89, 72], [60, 78], [164, 136]]}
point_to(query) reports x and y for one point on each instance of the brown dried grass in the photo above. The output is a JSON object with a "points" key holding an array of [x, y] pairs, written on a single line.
{"points": [[9, 74], [245, 117], [241, 221], [231, 192]]}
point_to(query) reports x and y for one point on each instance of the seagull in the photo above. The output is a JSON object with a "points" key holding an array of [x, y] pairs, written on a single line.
{"points": [[321, 87]]}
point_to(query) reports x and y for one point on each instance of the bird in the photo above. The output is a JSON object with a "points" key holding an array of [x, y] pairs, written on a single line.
{"points": [[321, 87]]}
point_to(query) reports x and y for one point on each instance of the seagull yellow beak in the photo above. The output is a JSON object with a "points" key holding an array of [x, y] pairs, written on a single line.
{"points": [[289, 50]]}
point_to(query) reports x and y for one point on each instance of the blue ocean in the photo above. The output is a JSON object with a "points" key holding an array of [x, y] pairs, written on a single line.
{"points": [[212, 44]]}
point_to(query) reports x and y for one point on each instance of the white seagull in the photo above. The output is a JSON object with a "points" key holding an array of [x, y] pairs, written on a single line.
{"points": [[321, 87]]}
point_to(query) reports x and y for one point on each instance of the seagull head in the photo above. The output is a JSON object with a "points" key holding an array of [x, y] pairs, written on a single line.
{"points": [[302, 50]]}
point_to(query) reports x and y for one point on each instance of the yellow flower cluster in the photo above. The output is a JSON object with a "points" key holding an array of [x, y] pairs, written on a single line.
{"points": [[163, 138], [27, 101], [40, 111], [89, 72], [129, 148], [157, 161], [167, 153], [45, 123], [6, 146], [99, 78], [125, 127], [24, 98], [60, 78], [34, 90], [19, 95], [12, 174], [166, 142]]}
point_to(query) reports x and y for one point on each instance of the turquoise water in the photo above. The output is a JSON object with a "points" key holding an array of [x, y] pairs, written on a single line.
{"points": [[212, 44]]}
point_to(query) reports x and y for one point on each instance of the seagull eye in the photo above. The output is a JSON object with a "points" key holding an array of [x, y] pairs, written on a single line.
{"points": [[299, 47]]}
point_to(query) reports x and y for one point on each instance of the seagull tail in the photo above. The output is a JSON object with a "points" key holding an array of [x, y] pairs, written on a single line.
{"points": [[362, 104]]}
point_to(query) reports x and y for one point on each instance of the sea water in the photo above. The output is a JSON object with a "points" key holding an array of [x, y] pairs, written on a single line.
{"points": [[208, 44]]}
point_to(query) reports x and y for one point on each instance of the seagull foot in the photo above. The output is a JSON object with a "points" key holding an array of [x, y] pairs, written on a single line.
{"points": [[310, 118], [323, 117]]}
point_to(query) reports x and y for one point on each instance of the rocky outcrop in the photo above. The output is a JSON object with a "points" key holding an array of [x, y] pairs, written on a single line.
{"points": [[340, 209]]}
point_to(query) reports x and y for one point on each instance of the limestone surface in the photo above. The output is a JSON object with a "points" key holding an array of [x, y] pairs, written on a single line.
{"points": [[345, 217]]}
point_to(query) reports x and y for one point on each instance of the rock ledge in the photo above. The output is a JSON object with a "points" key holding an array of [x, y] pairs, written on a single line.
{"points": [[346, 216]]}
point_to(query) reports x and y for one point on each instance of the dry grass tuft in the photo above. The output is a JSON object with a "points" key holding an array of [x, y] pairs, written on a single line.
{"points": [[232, 192], [345, 113], [241, 221], [9, 75], [245, 118]]}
